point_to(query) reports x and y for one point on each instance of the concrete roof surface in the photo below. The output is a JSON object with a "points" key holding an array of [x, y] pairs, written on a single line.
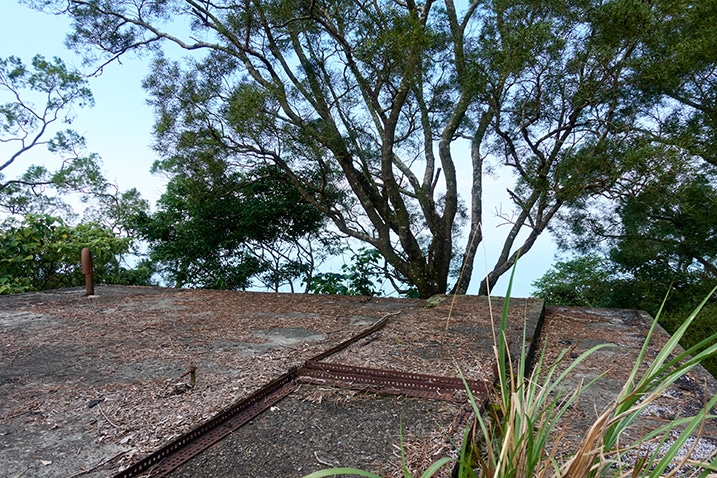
{"points": [[89, 385]]}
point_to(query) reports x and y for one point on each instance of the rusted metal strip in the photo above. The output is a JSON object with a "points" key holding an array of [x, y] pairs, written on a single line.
{"points": [[337, 348], [219, 432], [183, 448], [390, 381], [171, 456]]}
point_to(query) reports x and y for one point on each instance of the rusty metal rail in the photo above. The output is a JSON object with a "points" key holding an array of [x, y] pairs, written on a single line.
{"points": [[370, 331], [389, 381], [182, 449], [185, 447]]}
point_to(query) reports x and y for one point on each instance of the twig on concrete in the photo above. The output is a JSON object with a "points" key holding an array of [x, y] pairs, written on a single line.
{"points": [[106, 417], [20, 475], [324, 462]]}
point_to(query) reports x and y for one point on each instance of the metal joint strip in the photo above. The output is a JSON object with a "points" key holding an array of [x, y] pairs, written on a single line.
{"points": [[186, 446], [390, 381], [183, 448]]}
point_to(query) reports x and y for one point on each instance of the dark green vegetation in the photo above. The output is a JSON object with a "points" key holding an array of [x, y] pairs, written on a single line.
{"points": [[654, 231], [41, 252], [217, 229], [596, 281], [365, 275], [294, 122]]}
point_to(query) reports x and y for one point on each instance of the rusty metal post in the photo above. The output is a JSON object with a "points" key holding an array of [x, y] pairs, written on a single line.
{"points": [[88, 271]]}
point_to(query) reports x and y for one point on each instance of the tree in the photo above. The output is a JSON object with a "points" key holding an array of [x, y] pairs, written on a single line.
{"points": [[25, 126], [115, 209], [219, 229], [657, 238], [365, 275], [657, 223], [597, 281], [681, 64], [42, 252], [387, 102], [671, 226], [585, 281]]}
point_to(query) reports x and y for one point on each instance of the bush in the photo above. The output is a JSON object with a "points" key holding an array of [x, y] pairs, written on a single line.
{"points": [[42, 252]]}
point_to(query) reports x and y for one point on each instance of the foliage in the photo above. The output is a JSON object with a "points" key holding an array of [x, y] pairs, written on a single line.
{"points": [[597, 281], [218, 229], [42, 252], [358, 278], [665, 231], [41, 96], [115, 209], [585, 281], [368, 107], [671, 226], [680, 65], [656, 226]]}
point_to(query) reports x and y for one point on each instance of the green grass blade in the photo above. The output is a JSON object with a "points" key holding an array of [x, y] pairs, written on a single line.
{"points": [[692, 425], [479, 418], [643, 351], [436, 466], [503, 356], [674, 339]]}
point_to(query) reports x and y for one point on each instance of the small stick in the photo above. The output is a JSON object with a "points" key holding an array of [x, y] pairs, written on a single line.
{"points": [[192, 375], [323, 462], [106, 417]]}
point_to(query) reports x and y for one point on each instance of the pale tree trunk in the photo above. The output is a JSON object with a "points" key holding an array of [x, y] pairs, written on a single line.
{"points": [[475, 236]]}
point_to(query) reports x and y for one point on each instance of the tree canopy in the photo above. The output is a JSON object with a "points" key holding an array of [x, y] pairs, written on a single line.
{"points": [[40, 100], [377, 113], [656, 224], [40, 241], [217, 228]]}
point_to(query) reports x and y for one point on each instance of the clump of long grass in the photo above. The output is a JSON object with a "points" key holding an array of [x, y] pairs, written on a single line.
{"points": [[517, 434], [521, 422]]}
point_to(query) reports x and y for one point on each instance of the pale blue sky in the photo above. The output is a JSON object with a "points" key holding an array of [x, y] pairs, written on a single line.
{"points": [[118, 128]]}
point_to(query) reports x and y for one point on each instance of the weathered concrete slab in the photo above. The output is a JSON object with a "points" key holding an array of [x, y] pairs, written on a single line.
{"points": [[343, 429], [90, 384], [625, 331]]}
